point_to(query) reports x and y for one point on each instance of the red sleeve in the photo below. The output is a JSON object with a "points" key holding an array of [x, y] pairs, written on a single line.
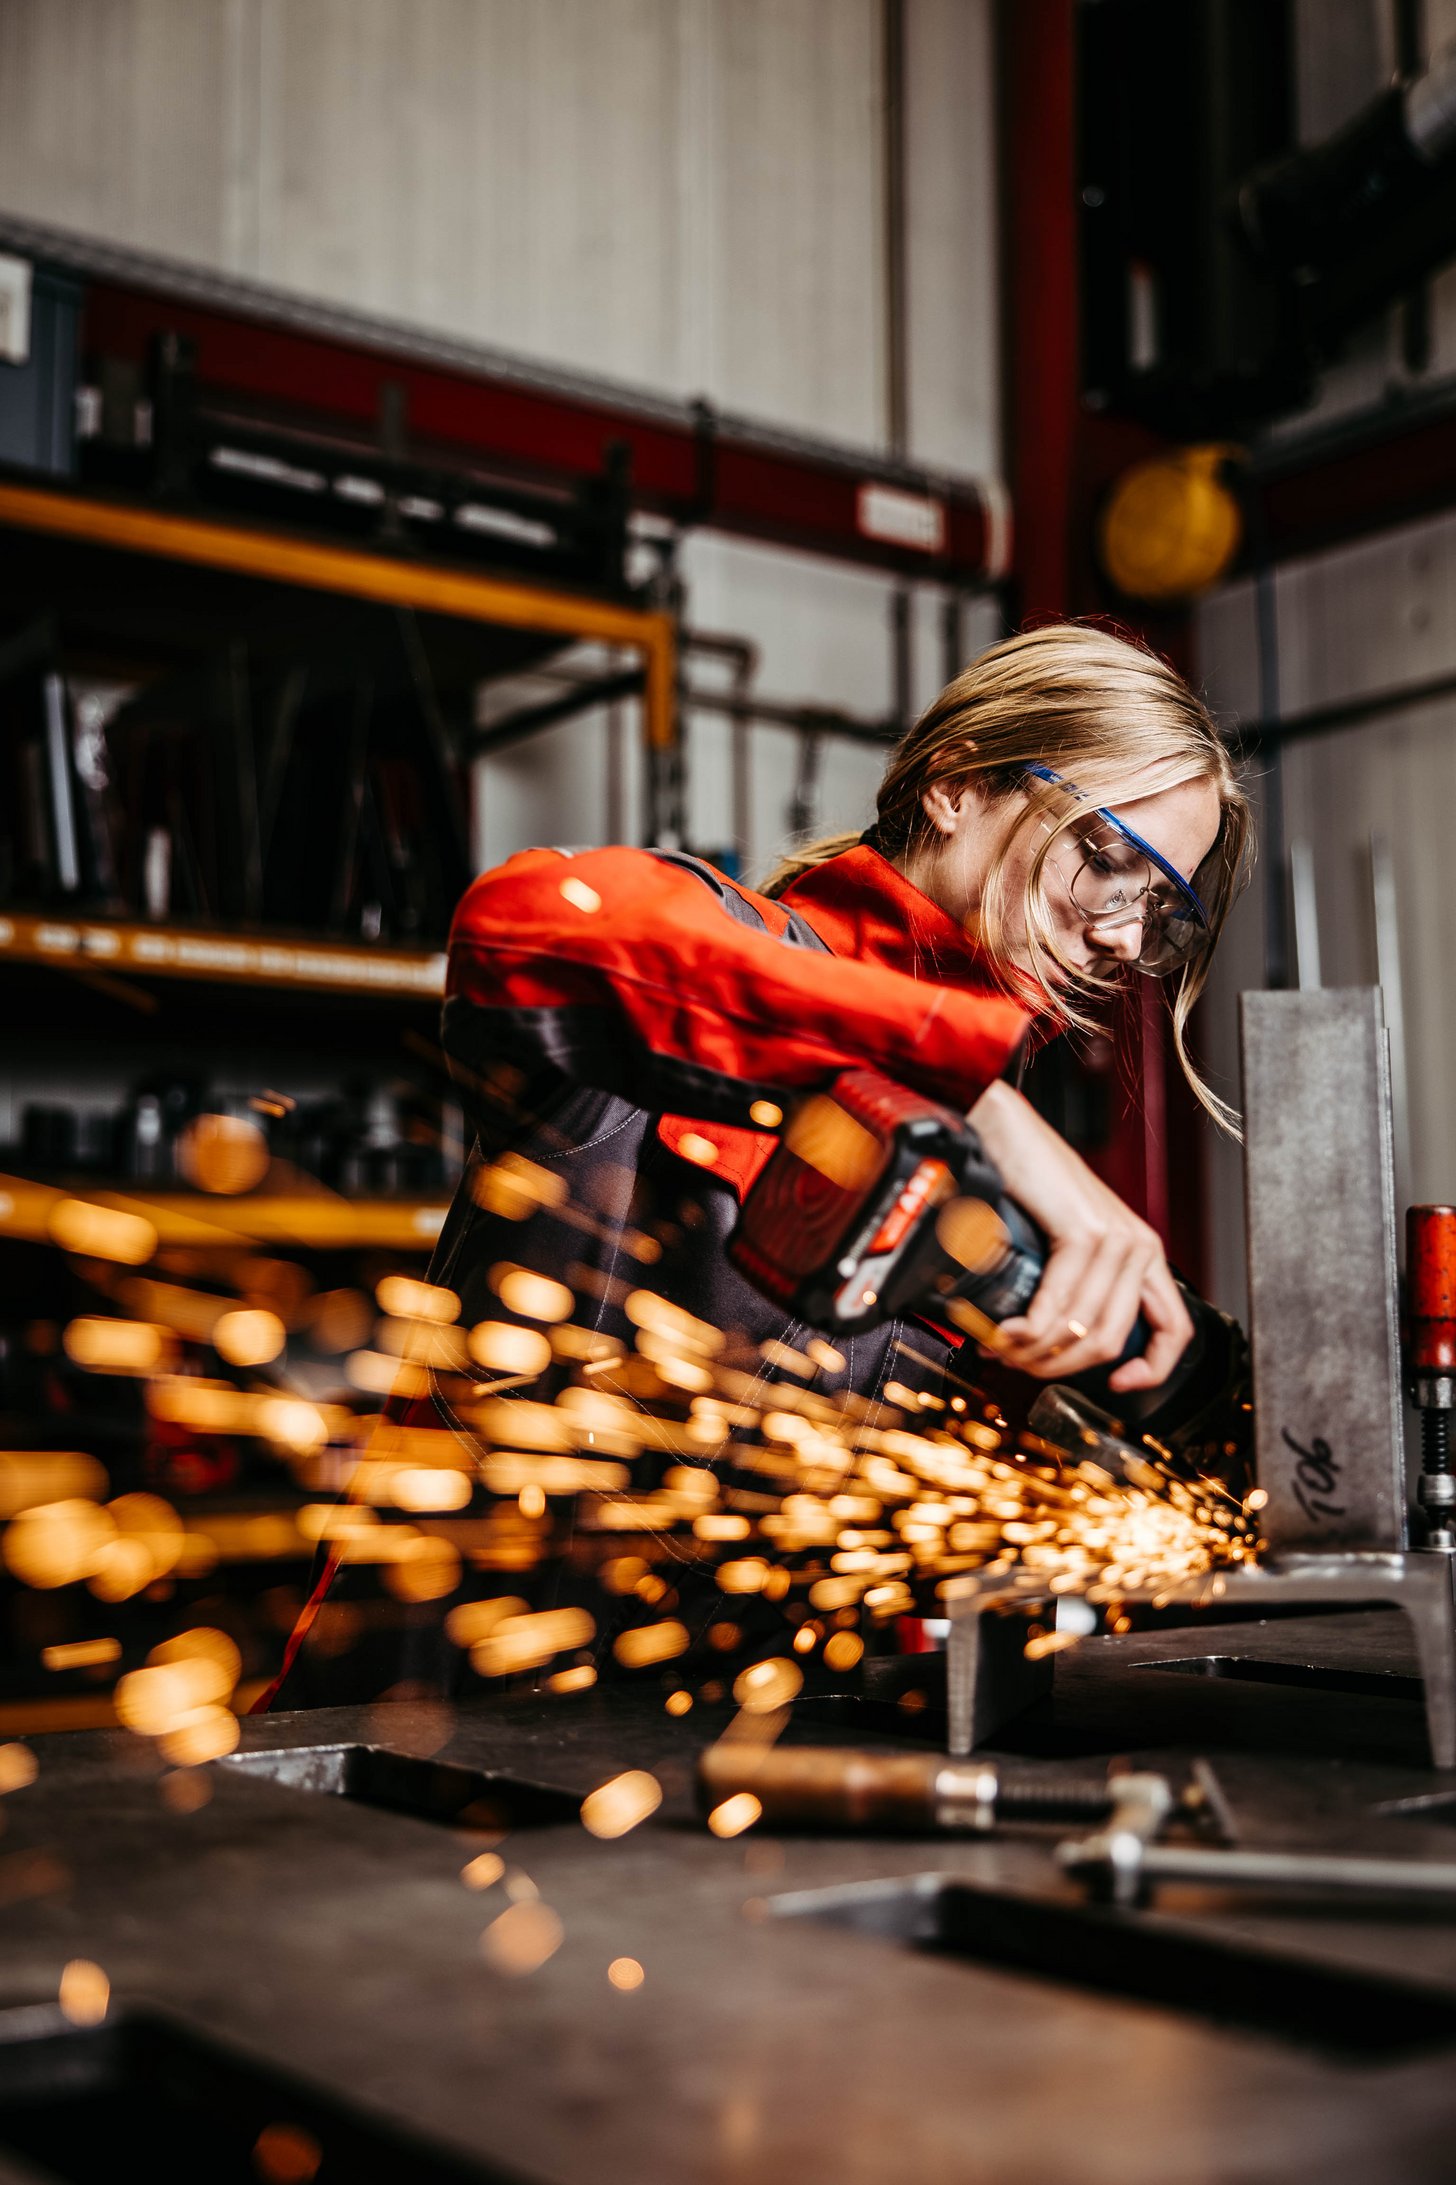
{"points": [[626, 972]]}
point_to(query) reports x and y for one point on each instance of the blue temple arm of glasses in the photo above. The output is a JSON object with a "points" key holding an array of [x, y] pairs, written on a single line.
{"points": [[1129, 834]]}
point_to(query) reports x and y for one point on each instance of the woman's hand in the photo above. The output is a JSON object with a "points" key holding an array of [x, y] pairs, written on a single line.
{"points": [[1105, 1267]]}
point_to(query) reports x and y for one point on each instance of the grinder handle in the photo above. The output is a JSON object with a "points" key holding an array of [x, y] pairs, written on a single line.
{"points": [[1018, 1278], [1205, 1364]]}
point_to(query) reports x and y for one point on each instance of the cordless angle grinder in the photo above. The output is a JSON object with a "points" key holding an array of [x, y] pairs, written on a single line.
{"points": [[878, 1204]]}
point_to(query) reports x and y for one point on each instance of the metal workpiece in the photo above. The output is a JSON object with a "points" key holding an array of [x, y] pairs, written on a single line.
{"points": [[989, 1678], [1320, 1193], [323, 1933], [1327, 1380], [981, 1700]]}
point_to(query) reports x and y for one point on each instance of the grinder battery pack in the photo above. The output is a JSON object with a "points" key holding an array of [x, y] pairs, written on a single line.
{"points": [[878, 1203]]}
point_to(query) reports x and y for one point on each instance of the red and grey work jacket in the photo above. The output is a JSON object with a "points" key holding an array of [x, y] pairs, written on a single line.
{"points": [[613, 1016], [616, 1015]]}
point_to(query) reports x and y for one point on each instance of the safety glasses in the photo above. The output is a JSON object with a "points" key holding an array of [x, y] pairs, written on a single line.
{"points": [[1121, 878]]}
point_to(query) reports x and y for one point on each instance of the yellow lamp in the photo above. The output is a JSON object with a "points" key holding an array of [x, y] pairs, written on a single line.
{"points": [[1170, 527]]}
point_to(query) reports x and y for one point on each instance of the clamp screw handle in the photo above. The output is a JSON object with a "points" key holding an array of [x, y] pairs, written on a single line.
{"points": [[1431, 1269]]}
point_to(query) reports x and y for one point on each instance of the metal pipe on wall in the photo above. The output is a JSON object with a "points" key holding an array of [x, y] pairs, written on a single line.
{"points": [[952, 635], [741, 656], [615, 756], [1385, 909], [1344, 713], [896, 301], [1306, 915]]}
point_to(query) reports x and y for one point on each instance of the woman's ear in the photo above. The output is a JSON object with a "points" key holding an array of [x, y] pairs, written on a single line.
{"points": [[941, 804]]}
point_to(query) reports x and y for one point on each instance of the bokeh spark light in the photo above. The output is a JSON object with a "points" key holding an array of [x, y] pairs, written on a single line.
{"points": [[522, 1938], [735, 1814], [286, 2154], [619, 1805], [85, 1992], [671, 1503]]}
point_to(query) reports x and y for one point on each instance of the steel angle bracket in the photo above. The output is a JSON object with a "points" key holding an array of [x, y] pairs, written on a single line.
{"points": [[989, 1680], [1320, 1200], [1326, 1349]]}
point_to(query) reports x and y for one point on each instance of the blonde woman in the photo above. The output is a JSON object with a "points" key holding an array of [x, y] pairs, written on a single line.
{"points": [[631, 1027], [1069, 803]]}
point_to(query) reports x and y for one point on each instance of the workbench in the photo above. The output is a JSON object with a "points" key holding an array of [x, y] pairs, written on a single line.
{"points": [[822, 2011]]}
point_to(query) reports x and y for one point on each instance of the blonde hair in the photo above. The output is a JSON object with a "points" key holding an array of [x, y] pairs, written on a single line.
{"points": [[1105, 713]]}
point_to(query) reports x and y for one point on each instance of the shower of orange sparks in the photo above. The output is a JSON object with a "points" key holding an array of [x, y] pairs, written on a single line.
{"points": [[822, 1500]]}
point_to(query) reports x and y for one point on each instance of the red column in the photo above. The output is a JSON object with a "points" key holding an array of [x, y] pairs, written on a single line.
{"points": [[1060, 458]]}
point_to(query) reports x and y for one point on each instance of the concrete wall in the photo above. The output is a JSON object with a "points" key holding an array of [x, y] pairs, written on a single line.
{"points": [[687, 194]]}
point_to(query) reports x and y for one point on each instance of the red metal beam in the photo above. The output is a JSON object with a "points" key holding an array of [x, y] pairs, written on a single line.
{"points": [[1375, 475], [721, 475]]}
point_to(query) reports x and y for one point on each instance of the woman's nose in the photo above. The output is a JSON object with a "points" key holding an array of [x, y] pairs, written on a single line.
{"points": [[1123, 940]]}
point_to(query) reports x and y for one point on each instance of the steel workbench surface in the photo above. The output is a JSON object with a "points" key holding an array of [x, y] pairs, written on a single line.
{"points": [[812, 2009]]}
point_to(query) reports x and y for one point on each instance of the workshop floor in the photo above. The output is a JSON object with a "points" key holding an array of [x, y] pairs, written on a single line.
{"points": [[297, 1973]]}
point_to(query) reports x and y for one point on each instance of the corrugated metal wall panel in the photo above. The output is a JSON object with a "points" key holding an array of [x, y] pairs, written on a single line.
{"points": [[685, 193], [1372, 617], [131, 119], [557, 789], [796, 262], [1398, 779], [489, 168], [953, 336], [822, 638]]}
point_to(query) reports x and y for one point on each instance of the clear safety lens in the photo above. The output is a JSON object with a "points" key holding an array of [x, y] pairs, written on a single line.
{"points": [[1112, 880], [1115, 884]]}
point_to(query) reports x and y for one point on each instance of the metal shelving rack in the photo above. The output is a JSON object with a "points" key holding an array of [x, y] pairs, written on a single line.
{"points": [[283, 962], [119, 582]]}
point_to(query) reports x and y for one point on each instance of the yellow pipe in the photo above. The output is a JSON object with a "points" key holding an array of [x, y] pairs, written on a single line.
{"points": [[331, 568]]}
